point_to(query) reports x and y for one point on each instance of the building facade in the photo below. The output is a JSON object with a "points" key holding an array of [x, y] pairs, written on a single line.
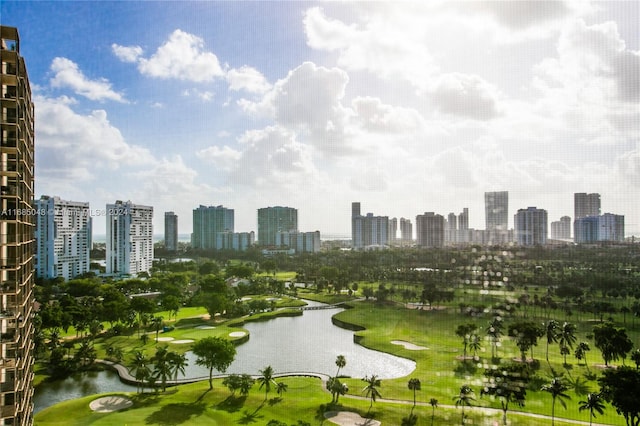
{"points": [[594, 229], [300, 242], [17, 231], [430, 230], [239, 241], [209, 221], [585, 205], [531, 227], [496, 207], [170, 231], [561, 230], [129, 238], [611, 228], [368, 231], [406, 231], [393, 231], [272, 220], [63, 238]]}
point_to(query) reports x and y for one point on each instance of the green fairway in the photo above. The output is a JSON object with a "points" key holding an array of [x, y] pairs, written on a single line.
{"points": [[437, 352]]}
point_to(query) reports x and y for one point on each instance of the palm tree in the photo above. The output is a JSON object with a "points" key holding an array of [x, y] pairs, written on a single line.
{"points": [[464, 398], [434, 405], [140, 369], [592, 403], [494, 331], [551, 333], [246, 382], [475, 344], [557, 389], [341, 361], [566, 338], [266, 379], [337, 388], [157, 324], [161, 366], [581, 353], [178, 363], [414, 385], [281, 388], [371, 389]]}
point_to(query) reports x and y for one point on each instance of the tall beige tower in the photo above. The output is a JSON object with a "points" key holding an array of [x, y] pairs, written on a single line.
{"points": [[17, 226]]}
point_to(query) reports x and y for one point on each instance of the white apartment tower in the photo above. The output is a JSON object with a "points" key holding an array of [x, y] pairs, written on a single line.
{"points": [[129, 238], [63, 237]]}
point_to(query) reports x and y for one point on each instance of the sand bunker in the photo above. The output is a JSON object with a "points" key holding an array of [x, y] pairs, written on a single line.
{"points": [[237, 334], [108, 404], [408, 345], [205, 327], [179, 342], [165, 339], [347, 418]]}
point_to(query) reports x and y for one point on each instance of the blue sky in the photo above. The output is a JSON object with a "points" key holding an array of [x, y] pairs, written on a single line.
{"points": [[406, 107]]}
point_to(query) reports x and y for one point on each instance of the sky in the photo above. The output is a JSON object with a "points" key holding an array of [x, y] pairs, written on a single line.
{"points": [[406, 107]]}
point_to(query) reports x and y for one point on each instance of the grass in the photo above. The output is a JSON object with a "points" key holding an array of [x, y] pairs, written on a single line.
{"points": [[195, 404], [440, 372]]}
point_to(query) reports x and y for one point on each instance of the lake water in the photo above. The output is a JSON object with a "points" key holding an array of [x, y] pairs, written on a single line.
{"points": [[307, 343]]}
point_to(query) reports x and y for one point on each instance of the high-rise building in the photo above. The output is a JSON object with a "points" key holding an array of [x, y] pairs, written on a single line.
{"points": [[129, 238], [451, 229], [611, 228], [239, 241], [63, 237], [300, 242], [393, 230], [463, 219], [586, 205], [272, 220], [561, 230], [531, 226], [406, 231], [368, 231], [170, 231], [605, 228], [430, 230], [17, 232], [209, 221], [496, 207]]}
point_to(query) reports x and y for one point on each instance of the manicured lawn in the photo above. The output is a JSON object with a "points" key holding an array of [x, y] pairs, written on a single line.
{"points": [[195, 404], [438, 368]]}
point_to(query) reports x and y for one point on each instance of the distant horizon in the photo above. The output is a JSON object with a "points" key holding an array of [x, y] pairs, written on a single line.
{"points": [[186, 238], [406, 107]]}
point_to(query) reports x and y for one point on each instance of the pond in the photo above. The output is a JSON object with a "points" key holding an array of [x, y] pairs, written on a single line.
{"points": [[307, 343]]}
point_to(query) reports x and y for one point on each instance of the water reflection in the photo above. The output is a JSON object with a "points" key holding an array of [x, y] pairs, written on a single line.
{"points": [[307, 343]]}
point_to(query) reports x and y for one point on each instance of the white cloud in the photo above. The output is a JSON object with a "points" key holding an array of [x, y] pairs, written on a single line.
{"points": [[389, 42], [374, 116], [203, 95], [68, 75], [223, 158], [248, 79], [169, 180], [593, 63], [88, 141], [127, 53], [465, 95], [270, 158], [183, 57]]}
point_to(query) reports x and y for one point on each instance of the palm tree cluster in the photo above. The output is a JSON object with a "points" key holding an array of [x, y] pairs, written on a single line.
{"points": [[163, 366]]}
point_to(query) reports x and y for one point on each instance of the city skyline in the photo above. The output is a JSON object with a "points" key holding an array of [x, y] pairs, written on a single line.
{"points": [[285, 108]]}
